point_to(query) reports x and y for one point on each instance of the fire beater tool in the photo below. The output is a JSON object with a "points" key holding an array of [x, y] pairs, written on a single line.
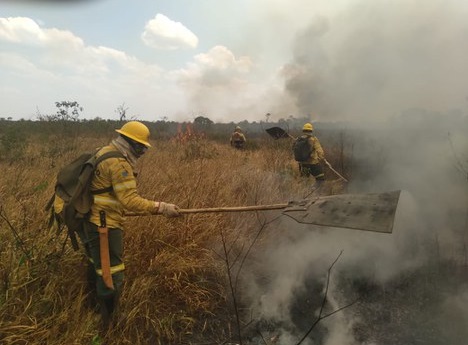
{"points": [[369, 212]]}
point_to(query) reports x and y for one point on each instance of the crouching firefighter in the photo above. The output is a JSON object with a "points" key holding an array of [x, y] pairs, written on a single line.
{"points": [[113, 190]]}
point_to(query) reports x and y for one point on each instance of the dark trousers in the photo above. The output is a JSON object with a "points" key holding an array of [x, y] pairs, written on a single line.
{"points": [[90, 240], [315, 170], [238, 144]]}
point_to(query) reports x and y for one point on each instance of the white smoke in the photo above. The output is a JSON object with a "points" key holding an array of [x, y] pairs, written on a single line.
{"points": [[430, 225]]}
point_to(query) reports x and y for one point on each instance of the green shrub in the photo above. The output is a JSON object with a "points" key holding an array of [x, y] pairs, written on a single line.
{"points": [[12, 145]]}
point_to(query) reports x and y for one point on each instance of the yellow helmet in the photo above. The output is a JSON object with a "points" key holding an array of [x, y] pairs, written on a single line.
{"points": [[308, 127], [136, 131]]}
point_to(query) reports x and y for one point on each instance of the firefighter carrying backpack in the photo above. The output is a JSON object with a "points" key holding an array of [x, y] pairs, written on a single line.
{"points": [[72, 199], [236, 136], [302, 148]]}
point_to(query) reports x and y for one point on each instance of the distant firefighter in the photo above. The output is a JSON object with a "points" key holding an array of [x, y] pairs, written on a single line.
{"points": [[309, 154], [238, 138]]}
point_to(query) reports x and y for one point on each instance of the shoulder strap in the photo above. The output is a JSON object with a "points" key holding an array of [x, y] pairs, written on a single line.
{"points": [[110, 154]]}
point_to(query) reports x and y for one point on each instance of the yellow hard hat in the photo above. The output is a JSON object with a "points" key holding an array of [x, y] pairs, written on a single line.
{"points": [[308, 127], [137, 131]]}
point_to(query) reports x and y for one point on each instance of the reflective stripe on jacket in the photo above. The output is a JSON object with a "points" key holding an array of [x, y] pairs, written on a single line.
{"points": [[118, 173]]}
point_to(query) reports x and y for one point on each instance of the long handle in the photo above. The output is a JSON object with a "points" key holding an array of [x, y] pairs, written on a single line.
{"points": [[235, 209], [224, 209], [336, 172]]}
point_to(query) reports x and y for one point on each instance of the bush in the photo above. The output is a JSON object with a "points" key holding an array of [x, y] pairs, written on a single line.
{"points": [[12, 145]]}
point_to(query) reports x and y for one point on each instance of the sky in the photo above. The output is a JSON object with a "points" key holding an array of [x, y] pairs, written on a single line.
{"points": [[341, 60]]}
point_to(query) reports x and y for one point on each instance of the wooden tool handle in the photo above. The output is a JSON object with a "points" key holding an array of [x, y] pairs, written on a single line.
{"points": [[223, 209], [234, 209]]}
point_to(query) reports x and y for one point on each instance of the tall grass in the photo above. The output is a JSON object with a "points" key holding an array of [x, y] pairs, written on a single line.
{"points": [[176, 289]]}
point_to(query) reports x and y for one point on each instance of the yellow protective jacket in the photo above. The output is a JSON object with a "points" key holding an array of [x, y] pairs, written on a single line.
{"points": [[317, 155], [238, 136], [118, 173]]}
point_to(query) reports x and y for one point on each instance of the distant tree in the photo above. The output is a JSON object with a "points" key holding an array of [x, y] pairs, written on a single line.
{"points": [[66, 111], [202, 123], [122, 112]]}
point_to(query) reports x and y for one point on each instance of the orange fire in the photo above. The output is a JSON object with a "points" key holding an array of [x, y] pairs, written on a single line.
{"points": [[187, 135]]}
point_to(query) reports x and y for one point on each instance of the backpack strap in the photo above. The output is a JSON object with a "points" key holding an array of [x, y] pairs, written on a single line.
{"points": [[110, 154], [107, 155]]}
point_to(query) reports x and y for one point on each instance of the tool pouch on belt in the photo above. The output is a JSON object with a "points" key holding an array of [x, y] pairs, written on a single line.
{"points": [[104, 251]]}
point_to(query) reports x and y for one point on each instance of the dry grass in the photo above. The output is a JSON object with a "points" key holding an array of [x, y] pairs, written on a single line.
{"points": [[176, 289]]}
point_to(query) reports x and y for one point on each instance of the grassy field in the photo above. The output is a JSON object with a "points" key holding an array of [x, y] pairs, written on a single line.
{"points": [[182, 274], [245, 278]]}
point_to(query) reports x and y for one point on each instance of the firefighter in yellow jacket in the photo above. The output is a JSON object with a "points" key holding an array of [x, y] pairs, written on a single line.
{"points": [[237, 139], [115, 191], [309, 154]]}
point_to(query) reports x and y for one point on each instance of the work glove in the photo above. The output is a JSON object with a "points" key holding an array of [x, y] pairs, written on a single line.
{"points": [[168, 210]]}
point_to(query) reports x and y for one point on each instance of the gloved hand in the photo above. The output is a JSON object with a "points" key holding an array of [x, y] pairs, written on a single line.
{"points": [[168, 210]]}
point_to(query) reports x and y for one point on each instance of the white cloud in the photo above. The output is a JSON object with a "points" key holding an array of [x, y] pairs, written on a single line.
{"points": [[218, 67], [20, 30], [51, 65], [163, 33], [222, 58], [225, 87], [216, 80], [55, 49]]}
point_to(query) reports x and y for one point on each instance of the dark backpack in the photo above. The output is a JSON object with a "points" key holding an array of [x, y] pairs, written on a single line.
{"points": [[72, 189], [302, 148]]}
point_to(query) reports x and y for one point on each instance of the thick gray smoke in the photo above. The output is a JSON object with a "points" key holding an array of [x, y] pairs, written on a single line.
{"points": [[376, 58], [397, 69]]}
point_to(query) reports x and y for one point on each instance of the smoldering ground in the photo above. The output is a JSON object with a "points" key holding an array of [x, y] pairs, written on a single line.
{"points": [[406, 283]]}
